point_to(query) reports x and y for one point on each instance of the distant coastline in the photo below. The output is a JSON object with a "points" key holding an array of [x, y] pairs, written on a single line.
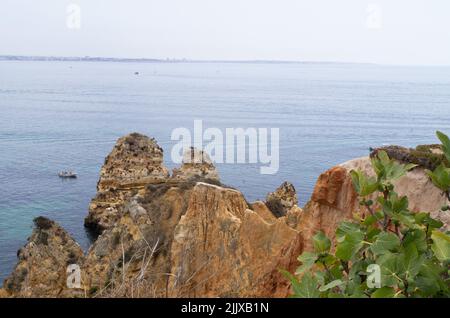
{"points": [[150, 60]]}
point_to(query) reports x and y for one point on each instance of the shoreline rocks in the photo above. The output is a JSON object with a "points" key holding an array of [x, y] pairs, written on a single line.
{"points": [[282, 200], [188, 235], [41, 270]]}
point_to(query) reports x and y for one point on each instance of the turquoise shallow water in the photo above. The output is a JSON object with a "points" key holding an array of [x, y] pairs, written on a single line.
{"points": [[58, 115]]}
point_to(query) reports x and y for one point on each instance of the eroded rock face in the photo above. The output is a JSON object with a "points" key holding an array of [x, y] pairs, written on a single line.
{"points": [[134, 162], [334, 198], [332, 201], [282, 200], [195, 239], [190, 236], [222, 248], [196, 163], [131, 258], [43, 261], [416, 185]]}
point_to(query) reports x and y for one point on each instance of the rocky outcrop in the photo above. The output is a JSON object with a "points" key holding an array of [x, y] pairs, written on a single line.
{"points": [[334, 198], [132, 258], [188, 235], [282, 200], [221, 247], [181, 236], [42, 265], [134, 162], [189, 239], [426, 156], [416, 185], [196, 163], [332, 201]]}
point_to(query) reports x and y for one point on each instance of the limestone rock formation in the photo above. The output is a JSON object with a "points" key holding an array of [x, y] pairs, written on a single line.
{"points": [[282, 200], [131, 258], [334, 198], [189, 239], [41, 270], [3, 293], [190, 236], [222, 248], [182, 236], [416, 185], [196, 163], [135, 161]]}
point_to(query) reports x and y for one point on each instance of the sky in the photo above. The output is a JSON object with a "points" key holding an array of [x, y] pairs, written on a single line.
{"points": [[411, 32]]}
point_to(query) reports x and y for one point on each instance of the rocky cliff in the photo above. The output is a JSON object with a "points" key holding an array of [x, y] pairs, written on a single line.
{"points": [[135, 162], [187, 235]]}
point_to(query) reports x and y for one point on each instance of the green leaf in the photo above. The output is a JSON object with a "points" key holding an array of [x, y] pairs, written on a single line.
{"points": [[445, 144], [296, 286], [417, 238], [350, 245], [307, 287], [399, 204], [410, 262], [330, 285], [388, 169], [424, 218], [440, 177], [429, 280], [363, 185], [420, 217], [405, 218], [369, 220], [441, 245], [321, 242], [307, 259], [356, 290], [384, 292], [372, 232], [384, 243], [357, 270], [345, 228], [389, 269], [394, 204]]}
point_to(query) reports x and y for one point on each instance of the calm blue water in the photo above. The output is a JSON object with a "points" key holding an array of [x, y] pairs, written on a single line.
{"points": [[59, 115]]}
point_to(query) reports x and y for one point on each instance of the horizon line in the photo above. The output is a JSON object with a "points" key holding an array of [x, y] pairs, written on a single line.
{"points": [[88, 58]]}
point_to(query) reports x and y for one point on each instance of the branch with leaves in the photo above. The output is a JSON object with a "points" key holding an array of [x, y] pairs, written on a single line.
{"points": [[411, 249]]}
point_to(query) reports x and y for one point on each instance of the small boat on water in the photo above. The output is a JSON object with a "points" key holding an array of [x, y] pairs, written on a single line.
{"points": [[67, 174]]}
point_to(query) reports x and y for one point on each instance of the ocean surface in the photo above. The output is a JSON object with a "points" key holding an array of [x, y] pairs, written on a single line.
{"points": [[68, 115]]}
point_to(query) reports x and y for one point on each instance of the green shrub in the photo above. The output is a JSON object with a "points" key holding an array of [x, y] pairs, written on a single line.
{"points": [[407, 251]]}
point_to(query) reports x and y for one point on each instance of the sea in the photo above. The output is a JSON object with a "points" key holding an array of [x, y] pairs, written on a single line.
{"points": [[61, 115]]}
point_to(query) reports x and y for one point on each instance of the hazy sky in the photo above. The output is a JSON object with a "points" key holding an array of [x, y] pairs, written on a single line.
{"points": [[378, 31]]}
